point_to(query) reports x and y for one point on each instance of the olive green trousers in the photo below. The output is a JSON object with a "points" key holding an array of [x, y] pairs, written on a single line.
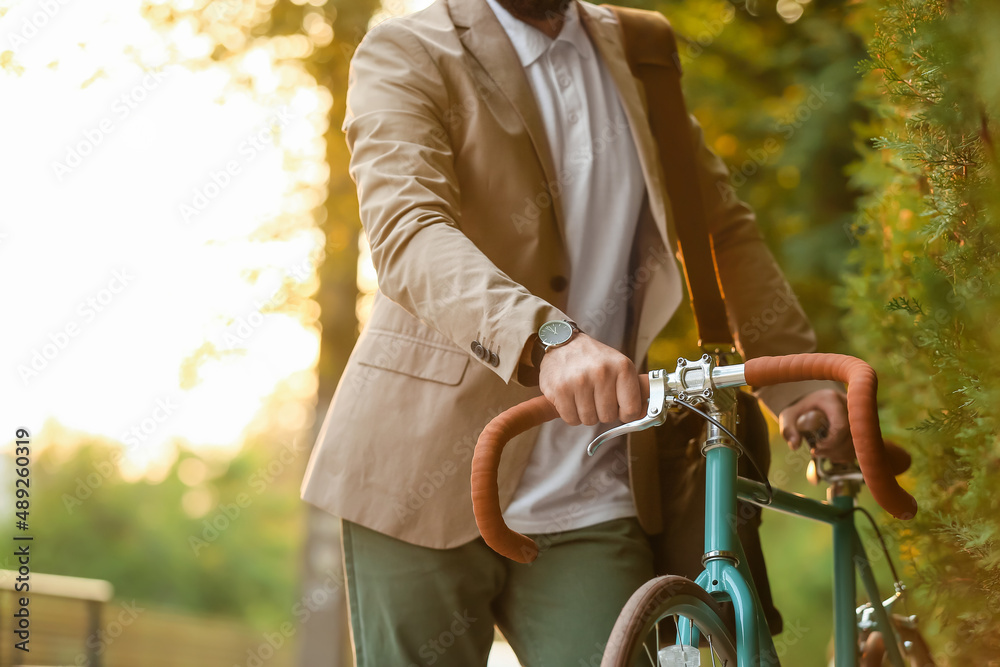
{"points": [[413, 606]]}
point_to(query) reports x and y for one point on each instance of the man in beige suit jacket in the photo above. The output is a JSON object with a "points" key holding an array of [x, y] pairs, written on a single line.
{"points": [[460, 202]]}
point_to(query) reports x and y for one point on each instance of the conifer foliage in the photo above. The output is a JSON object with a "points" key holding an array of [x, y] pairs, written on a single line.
{"points": [[922, 297]]}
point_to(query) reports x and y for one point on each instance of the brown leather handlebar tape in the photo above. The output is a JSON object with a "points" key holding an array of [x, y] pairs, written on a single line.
{"points": [[486, 464], [862, 384], [899, 458]]}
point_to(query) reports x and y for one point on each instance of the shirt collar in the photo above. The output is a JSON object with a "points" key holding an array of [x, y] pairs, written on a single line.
{"points": [[530, 42]]}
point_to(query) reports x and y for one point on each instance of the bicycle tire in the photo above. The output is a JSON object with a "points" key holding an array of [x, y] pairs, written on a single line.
{"points": [[655, 600]]}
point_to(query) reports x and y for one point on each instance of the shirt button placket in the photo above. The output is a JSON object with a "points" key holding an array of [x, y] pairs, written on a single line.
{"points": [[574, 105], [578, 139], [567, 87]]}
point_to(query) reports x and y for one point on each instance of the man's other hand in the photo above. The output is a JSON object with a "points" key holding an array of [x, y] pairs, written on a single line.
{"points": [[590, 383], [836, 444]]}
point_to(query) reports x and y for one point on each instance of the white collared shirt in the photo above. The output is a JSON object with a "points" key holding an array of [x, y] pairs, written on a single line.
{"points": [[601, 193]]}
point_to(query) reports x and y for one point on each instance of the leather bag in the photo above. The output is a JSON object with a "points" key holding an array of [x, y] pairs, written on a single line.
{"points": [[651, 51]]}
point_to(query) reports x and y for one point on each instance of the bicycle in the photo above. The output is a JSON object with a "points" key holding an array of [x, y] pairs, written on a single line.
{"points": [[869, 635]]}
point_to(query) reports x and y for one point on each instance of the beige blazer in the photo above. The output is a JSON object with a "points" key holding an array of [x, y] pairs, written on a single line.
{"points": [[456, 186]]}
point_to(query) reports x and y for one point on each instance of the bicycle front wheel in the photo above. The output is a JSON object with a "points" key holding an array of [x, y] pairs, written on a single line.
{"points": [[650, 620]]}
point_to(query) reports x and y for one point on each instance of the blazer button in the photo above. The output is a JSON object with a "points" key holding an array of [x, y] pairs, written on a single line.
{"points": [[479, 350], [494, 359], [558, 283]]}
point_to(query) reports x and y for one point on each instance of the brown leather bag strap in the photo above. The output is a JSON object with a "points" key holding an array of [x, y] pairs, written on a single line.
{"points": [[651, 51]]}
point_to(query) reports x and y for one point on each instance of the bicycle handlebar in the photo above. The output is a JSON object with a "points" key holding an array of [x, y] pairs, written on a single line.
{"points": [[875, 463], [862, 413]]}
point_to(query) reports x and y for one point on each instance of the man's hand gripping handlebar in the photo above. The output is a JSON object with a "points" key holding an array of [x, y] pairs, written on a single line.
{"points": [[878, 465]]}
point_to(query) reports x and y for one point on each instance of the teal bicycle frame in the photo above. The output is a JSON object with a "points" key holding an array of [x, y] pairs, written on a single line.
{"points": [[727, 578]]}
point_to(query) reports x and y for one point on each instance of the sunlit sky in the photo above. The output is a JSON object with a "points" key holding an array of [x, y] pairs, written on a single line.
{"points": [[107, 285]]}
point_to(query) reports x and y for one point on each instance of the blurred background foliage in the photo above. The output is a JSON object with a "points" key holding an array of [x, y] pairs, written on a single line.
{"points": [[863, 133], [210, 536]]}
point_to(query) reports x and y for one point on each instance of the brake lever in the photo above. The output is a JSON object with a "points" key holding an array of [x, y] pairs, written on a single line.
{"points": [[656, 413]]}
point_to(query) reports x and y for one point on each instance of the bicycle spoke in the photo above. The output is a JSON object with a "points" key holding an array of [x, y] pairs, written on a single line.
{"points": [[692, 610], [651, 660]]}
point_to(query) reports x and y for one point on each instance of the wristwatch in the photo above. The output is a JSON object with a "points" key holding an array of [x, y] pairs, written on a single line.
{"points": [[554, 333]]}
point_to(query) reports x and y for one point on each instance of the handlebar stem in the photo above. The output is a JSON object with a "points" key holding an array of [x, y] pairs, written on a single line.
{"points": [[694, 381], [701, 377]]}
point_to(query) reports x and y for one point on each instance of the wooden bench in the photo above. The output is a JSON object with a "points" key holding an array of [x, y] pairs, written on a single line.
{"points": [[93, 593]]}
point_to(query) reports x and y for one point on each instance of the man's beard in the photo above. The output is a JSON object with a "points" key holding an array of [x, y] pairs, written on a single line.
{"points": [[535, 9]]}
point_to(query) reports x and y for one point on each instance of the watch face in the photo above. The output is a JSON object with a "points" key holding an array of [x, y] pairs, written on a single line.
{"points": [[556, 332]]}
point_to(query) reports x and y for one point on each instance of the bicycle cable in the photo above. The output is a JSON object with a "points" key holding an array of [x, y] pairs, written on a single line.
{"points": [[885, 549], [770, 493], [743, 450]]}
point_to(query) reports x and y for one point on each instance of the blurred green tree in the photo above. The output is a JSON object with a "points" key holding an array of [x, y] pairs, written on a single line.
{"points": [[320, 36], [774, 90], [207, 534]]}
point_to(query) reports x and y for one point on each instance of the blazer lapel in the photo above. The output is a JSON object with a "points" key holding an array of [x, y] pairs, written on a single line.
{"points": [[484, 38], [606, 36]]}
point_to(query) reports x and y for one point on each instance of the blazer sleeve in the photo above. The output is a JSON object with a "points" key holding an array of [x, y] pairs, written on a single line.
{"points": [[764, 314], [402, 161]]}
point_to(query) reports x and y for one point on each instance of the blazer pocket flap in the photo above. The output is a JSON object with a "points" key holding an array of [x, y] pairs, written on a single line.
{"points": [[411, 356]]}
